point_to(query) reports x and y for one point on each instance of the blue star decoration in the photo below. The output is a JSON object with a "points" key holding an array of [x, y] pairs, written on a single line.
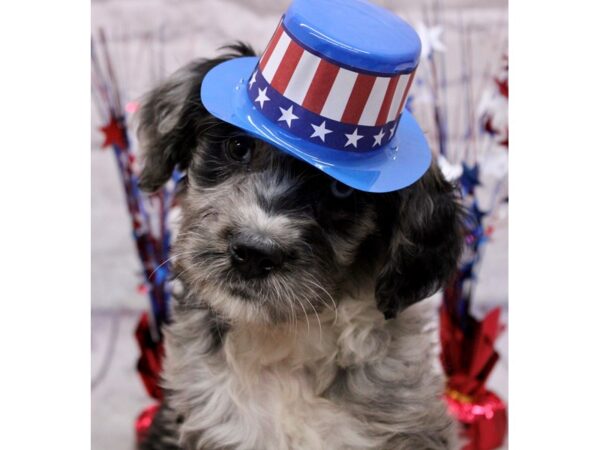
{"points": [[476, 239], [466, 271], [477, 213], [475, 232], [469, 178]]}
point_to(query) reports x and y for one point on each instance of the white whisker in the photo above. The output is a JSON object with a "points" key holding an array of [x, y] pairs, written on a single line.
{"points": [[314, 283]]}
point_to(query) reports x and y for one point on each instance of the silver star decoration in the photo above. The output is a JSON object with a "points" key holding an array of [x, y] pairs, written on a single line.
{"points": [[393, 129], [287, 115], [262, 97], [431, 39], [252, 80], [353, 138], [378, 137], [320, 131]]}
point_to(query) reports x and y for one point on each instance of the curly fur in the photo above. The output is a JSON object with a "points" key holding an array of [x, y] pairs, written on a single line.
{"points": [[326, 352]]}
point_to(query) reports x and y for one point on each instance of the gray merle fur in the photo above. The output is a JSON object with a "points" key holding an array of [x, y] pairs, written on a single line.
{"points": [[307, 334]]}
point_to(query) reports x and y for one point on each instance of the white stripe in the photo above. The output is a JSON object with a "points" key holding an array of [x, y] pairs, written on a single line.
{"points": [[340, 93], [373, 105], [407, 87], [276, 56], [302, 77], [397, 97]]}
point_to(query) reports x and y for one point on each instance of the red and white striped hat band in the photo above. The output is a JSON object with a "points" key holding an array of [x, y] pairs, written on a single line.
{"points": [[324, 101]]}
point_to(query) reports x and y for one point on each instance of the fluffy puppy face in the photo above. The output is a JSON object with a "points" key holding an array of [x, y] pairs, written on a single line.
{"points": [[266, 238], [263, 236]]}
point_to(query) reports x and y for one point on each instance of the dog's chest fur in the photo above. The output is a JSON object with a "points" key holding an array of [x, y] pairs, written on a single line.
{"points": [[355, 381]]}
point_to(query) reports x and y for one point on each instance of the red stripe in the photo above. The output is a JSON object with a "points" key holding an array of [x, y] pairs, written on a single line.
{"points": [[286, 68], [320, 86], [358, 98], [405, 94], [272, 43], [387, 101]]}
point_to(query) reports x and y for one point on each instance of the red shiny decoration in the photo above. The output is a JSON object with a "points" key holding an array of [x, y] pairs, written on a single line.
{"points": [[502, 86], [468, 357], [504, 142], [484, 419], [489, 128], [143, 422], [150, 360], [502, 82], [114, 133]]}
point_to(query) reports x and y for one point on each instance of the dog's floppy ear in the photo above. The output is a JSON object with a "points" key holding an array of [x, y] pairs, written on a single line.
{"points": [[426, 240], [171, 120]]}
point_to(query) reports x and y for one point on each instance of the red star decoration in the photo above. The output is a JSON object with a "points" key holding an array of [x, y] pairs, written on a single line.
{"points": [[114, 133], [504, 142], [487, 125], [502, 87]]}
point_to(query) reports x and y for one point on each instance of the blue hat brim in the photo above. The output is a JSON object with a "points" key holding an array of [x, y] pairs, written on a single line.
{"points": [[399, 163]]}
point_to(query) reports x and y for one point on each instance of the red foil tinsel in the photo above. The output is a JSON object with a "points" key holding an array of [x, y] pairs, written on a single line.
{"points": [[484, 419], [468, 357], [143, 422], [149, 362]]}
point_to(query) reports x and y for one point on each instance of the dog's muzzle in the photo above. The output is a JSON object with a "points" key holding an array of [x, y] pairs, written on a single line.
{"points": [[255, 256]]}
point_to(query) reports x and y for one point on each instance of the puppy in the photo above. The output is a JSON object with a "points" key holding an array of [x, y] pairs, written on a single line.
{"points": [[292, 328]]}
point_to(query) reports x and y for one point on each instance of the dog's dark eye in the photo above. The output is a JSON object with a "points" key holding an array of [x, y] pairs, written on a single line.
{"points": [[340, 190], [239, 148]]}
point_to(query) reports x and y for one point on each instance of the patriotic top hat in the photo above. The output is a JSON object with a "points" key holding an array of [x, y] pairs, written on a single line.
{"points": [[330, 89]]}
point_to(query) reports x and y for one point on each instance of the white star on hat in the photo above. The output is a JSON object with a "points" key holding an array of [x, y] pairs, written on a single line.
{"points": [[393, 129], [320, 131], [262, 97], [353, 138], [378, 138], [252, 80], [287, 115]]}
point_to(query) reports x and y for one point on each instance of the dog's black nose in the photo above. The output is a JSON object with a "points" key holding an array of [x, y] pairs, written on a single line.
{"points": [[255, 259]]}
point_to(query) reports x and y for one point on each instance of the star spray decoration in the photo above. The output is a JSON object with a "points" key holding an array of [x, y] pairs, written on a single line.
{"points": [[149, 220], [474, 156]]}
